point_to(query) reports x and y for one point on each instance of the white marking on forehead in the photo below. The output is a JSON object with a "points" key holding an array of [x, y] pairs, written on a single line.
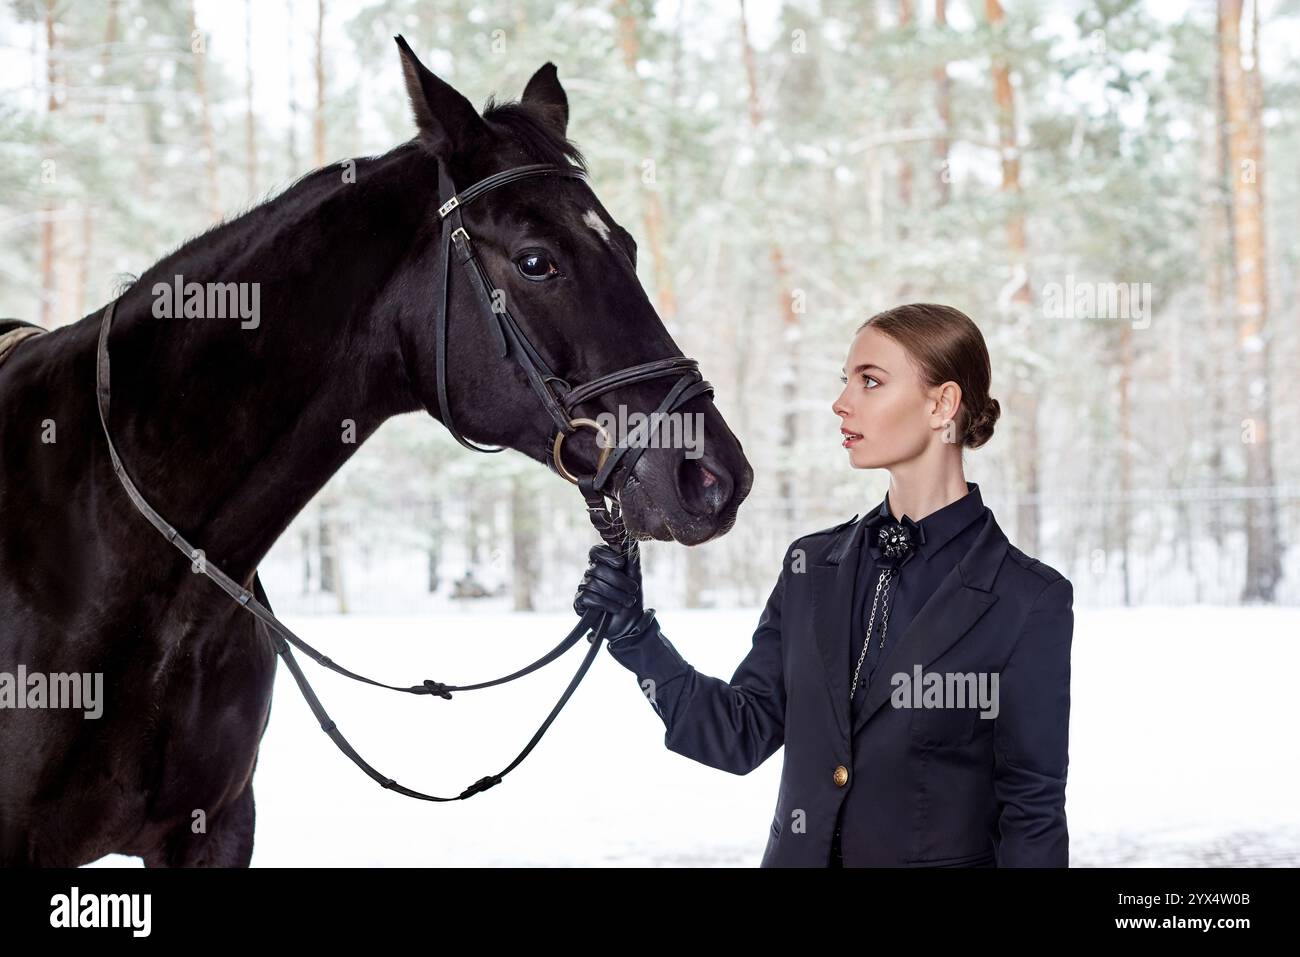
{"points": [[592, 219]]}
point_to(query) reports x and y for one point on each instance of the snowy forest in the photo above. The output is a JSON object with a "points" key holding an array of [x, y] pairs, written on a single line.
{"points": [[1109, 189]]}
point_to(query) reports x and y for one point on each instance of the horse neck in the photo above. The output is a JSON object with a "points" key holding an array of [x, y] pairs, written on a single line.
{"points": [[230, 425]]}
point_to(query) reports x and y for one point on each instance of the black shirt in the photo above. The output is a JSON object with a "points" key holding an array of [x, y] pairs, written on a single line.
{"points": [[947, 536]]}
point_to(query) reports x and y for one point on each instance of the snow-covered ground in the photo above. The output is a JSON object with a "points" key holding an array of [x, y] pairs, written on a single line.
{"points": [[1183, 747]]}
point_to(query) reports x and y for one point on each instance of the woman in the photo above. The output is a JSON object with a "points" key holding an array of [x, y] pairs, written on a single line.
{"points": [[915, 665]]}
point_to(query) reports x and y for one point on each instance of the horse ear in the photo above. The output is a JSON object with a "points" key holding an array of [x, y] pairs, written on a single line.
{"points": [[545, 92], [448, 123]]}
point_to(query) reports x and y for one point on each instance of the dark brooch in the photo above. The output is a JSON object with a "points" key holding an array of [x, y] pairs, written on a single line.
{"points": [[895, 541]]}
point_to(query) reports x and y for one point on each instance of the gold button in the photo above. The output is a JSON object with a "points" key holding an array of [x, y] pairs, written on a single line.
{"points": [[841, 776]]}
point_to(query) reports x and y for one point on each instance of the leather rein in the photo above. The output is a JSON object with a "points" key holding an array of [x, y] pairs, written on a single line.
{"points": [[511, 340]]}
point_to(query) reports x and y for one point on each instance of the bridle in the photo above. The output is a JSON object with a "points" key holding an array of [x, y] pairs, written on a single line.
{"points": [[510, 339]]}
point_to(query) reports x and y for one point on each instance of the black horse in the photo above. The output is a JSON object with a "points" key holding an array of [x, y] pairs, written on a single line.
{"points": [[230, 426]]}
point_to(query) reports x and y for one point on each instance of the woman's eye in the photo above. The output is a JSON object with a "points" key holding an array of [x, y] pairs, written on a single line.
{"points": [[865, 377], [536, 266]]}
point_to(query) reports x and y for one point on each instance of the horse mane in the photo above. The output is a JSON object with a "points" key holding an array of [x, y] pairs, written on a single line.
{"points": [[526, 126], [322, 180], [519, 121]]}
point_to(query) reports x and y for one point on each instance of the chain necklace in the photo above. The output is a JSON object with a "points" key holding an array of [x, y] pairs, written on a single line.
{"points": [[895, 540], [882, 585]]}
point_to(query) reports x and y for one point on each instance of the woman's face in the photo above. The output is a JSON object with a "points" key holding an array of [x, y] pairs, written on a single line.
{"points": [[885, 402]]}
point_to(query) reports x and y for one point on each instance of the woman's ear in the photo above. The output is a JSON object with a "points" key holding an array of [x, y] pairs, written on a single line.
{"points": [[947, 401]]}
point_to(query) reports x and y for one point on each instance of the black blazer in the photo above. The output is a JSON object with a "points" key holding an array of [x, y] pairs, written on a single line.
{"points": [[918, 787]]}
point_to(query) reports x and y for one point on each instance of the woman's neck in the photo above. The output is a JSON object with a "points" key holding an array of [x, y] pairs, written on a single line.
{"points": [[917, 492]]}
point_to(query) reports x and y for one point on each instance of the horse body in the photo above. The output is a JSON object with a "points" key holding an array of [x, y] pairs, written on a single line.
{"points": [[167, 777], [229, 428], [231, 433], [186, 679]]}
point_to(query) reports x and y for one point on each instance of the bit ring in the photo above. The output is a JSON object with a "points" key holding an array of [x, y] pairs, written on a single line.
{"points": [[559, 442]]}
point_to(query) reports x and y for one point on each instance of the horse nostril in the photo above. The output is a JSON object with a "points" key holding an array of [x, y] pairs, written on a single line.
{"points": [[704, 489]]}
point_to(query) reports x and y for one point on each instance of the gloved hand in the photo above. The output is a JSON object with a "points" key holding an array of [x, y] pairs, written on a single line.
{"points": [[612, 583]]}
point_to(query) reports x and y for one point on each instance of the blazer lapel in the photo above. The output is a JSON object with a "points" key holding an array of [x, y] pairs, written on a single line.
{"points": [[833, 584], [957, 604]]}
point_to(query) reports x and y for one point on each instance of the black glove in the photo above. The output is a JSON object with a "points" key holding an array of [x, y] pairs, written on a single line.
{"points": [[612, 583]]}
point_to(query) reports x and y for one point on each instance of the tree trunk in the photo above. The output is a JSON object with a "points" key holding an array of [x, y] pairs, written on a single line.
{"points": [[304, 542], [1242, 99], [318, 118], [205, 120], [524, 521], [87, 213], [49, 283], [788, 376], [1125, 451], [943, 97], [292, 96], [873, 166], [434, 550], [250, 127], [331, 554], [904, 148], [473, 529], [1217, 255], [1024, 393], [653, 214], [698, 578]]}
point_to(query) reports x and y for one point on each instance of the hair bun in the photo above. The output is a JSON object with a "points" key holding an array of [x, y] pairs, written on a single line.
{"points": [[980, 429]]}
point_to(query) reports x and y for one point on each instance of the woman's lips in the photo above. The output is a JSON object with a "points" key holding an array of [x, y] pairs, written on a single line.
{"points": [[850, 438]]}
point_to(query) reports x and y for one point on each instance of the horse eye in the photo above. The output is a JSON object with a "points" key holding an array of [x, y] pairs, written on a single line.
{"points": [[536, 267]]}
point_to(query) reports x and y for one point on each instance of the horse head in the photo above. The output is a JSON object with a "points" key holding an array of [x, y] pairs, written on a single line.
{"points": [[560, 270]]}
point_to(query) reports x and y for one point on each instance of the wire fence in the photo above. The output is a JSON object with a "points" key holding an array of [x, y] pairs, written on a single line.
{"points": [[1173, 546]]}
